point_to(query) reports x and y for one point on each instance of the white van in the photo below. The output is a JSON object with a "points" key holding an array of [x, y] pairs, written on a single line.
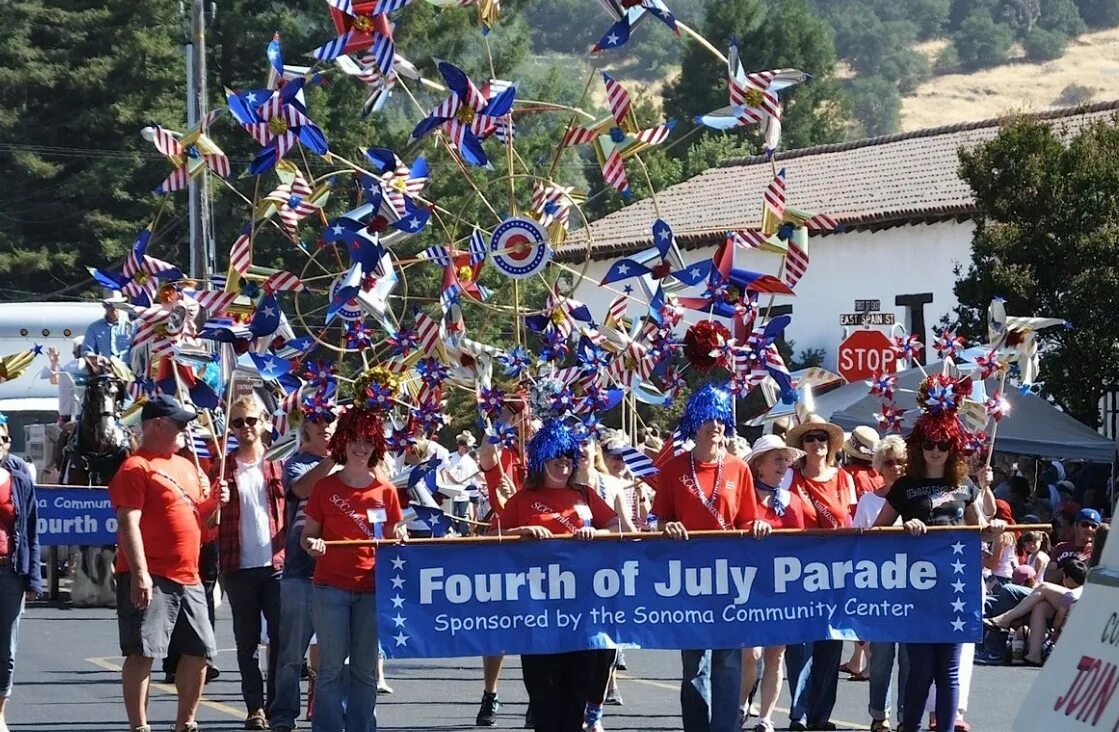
{"points": [[31, 399]]}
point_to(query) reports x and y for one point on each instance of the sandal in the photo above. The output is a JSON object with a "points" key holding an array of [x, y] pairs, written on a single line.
{"points": [[864, 676], [990, 624], [846, 669]]}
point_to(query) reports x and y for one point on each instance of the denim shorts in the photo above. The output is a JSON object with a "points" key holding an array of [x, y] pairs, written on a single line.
{"points": [[176, 611]]}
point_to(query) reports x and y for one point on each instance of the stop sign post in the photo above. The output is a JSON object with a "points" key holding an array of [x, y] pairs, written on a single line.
{"points": [[864, 353]]}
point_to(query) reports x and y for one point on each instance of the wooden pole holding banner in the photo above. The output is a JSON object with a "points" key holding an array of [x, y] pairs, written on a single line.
{"points": [[741, 534]]}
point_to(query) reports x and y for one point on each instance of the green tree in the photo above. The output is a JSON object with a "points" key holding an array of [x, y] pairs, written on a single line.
{"points": [[1062, 16], [1047, 240], [931, 17], [1043, 45], [1099, 13], [981, 42], [876, 104]]}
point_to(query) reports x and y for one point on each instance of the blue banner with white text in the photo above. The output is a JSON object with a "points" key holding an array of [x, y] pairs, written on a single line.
{"points": [[552, 596], [76, 516]]}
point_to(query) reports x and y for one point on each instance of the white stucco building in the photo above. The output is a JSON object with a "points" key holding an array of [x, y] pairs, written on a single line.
{"points": [[906, 217]]}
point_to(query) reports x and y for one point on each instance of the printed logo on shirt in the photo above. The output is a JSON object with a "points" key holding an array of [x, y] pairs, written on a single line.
{"points": [[546, 511], [347, 510]]}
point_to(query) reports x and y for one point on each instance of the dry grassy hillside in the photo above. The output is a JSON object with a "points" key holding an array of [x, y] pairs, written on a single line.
{"points": [[1091, 60]]}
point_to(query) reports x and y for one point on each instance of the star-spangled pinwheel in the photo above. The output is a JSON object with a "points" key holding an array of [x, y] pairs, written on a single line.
{"points": [[618, 137], [988, 364], [561, 314], [664, 242], [460, 270], [191, 154], [467, 115], [360, 26], [488, 10], [627, 14], [760, 358], [997, 406], [293, 199], [1016, 338], [515, 361], [948, 344], [890, 419], [381, 85], [551, 203], [395, 190], [139, 278], [907, 347], [727, 286], [753, 99], [883, 385], [490, 401]]}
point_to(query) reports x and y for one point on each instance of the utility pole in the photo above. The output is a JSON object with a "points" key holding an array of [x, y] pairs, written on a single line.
{"points": [[199, 211]]}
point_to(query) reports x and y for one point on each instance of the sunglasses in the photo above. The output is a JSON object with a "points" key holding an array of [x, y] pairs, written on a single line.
{"points": [[816, 437], [241, 422], [941, 446], [894, 463], [5, 439], [1088, 525]]}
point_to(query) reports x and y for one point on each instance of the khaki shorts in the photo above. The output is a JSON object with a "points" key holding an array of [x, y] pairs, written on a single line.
{"points": [[176, 611]]}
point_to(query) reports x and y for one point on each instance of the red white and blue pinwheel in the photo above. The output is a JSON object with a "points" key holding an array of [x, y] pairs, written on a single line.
{"points": [[891, 417], [948, 344], [996, 406], [883, 385], [666, 249], [360, 26], [627, 14], [468, 116], [908, 348]]}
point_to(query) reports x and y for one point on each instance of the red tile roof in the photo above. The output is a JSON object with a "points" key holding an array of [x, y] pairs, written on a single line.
{"points": [[866, 184]]}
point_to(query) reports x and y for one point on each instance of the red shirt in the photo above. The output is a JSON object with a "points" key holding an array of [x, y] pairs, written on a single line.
{"points": [[676, 500], [7, 513], [167, 493], [867, 479], [229, 530], [560, 510], [794, 512], [344, 513], [509, 460], [825, 502]]}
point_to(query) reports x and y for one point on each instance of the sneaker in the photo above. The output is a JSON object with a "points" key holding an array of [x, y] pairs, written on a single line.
{"points": [[763, 726], [487, 712], [614, 698], [383, 688], [986, 658], [211, 674], [530, 718], [256, 720], [620, 664], [188, 727], [880, 725], [743, 718]]}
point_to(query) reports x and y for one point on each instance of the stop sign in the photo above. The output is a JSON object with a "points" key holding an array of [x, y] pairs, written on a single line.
{"points": [[863, 353]]}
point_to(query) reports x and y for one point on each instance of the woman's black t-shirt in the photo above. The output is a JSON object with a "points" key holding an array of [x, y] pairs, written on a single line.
{"points": [[932, 500]]}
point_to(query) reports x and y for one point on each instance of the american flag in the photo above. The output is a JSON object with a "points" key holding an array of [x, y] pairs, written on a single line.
{"points": [[640, 465]]}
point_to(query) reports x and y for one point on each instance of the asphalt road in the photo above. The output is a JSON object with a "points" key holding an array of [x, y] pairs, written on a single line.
{"points": [[67, 680]]}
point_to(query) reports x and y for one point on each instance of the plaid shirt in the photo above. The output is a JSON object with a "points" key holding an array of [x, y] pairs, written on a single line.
{"points": [[229, 531]]}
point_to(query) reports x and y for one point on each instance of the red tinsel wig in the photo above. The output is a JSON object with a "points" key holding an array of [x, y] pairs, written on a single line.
{"points": [[357, 423], [939, 398]]}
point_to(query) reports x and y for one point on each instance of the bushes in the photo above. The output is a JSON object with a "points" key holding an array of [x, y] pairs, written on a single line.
{"points": [[981, 42], [1075, 95], [1043, 45], [876, 104]]}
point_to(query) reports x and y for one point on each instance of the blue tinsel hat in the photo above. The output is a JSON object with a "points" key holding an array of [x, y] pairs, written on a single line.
{"points": [[706, 403], [554, 439]]}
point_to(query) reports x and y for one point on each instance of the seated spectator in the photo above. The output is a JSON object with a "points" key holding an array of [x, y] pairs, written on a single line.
{"points": [[1033, 550], [1003, 555], [1079, 547], [1047, 606]]}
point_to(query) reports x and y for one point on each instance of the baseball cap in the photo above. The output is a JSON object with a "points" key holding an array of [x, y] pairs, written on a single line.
{"points": [[1022, 573], [1089, 514], [166, 405]]}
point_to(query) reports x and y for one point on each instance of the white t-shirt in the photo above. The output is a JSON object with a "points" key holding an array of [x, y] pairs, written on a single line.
{"points": [[867, 510], [72, 380], [463, 470], [256, 534]]}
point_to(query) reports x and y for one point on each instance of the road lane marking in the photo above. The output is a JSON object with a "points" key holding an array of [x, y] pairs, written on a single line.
{"points": [[842, 724], [109, 664]]}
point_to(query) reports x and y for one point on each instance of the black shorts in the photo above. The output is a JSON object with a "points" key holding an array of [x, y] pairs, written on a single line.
{"points": [[176, 611]]}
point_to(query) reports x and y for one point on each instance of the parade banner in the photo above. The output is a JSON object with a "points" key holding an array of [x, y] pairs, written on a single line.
{"points": [[455, 599], [76, 516]]}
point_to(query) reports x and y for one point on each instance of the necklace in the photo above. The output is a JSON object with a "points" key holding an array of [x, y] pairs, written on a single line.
{"points": [[710, 503]]}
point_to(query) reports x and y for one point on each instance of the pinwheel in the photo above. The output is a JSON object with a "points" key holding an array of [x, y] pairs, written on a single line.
{"points": [[561, 314], [890, 419], [190, 154], [988, 364], [382, 85], [883, 385], [664, 248], [460, 270], [277, 125], [627, 14], [394, 191], [488, 10], [763, 359], [490, 401], [997, 406], [552, 205], [727, 286], [293, 199], [948, 344], [467, 116], [618, 137], [360, 25], [139, 278], [753, 99], [908, 348], [502, 434], [1016, 338], [403, 342]]}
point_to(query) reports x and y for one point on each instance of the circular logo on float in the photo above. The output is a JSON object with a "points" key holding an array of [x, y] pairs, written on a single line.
{"points": [[519, 248], [351, 309]]}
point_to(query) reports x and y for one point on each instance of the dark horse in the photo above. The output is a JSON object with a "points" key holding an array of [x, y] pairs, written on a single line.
{"points": [[97, 447]]}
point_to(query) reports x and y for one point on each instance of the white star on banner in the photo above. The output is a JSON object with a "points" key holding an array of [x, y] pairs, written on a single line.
{"points": [[958, 548], [958, 606], [397, 601], [399, 620], [958, 586], [398, 563], [397, 582], [958, 625], [400, 638], [958, 567]]}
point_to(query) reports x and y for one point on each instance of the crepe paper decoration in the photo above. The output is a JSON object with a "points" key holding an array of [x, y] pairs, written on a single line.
{"points": [[467, 116], [489, 11], [293, 199], [618, 137], [753, 99], [361, 26], [191, 154], [627, 14]]}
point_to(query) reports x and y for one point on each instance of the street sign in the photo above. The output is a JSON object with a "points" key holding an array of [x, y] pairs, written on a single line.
{"points": [[868, 306], [863, 353], [866, 318]]}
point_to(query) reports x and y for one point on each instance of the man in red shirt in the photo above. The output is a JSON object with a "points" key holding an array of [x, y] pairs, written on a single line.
{"points": [[707, 489], [162, 501], [1083, 531]]}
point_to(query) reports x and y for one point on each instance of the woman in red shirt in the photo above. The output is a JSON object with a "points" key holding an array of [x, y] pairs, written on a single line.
{"points": [[552, 504], [772, 508], [356, 502], [826, 492]]}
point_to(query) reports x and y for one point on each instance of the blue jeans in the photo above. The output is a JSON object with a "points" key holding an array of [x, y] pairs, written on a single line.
{"points": [[881, 678], [709, 690], [813, 672], [930, 663], [346, 625], [1008, 596], [12, 587], [296, 629]]}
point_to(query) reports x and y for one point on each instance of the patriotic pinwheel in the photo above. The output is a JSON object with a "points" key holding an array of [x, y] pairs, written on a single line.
{"points": [[394, 190], [727, 286], [664, 244], [908, 348], [975, 441], [997, 406], [139, 279], [891, 417], [948, 344], [618, 137], [1016, 338], [191, 154], [627, 14], [382, 85], [491, 401], [361, 25], [552, 205], [941, 398], [560, 315], [883, 385], [988, 365], [460, 270], [753, 99], [293, 199], [764, 359], [467, 116], [502, 434]]}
